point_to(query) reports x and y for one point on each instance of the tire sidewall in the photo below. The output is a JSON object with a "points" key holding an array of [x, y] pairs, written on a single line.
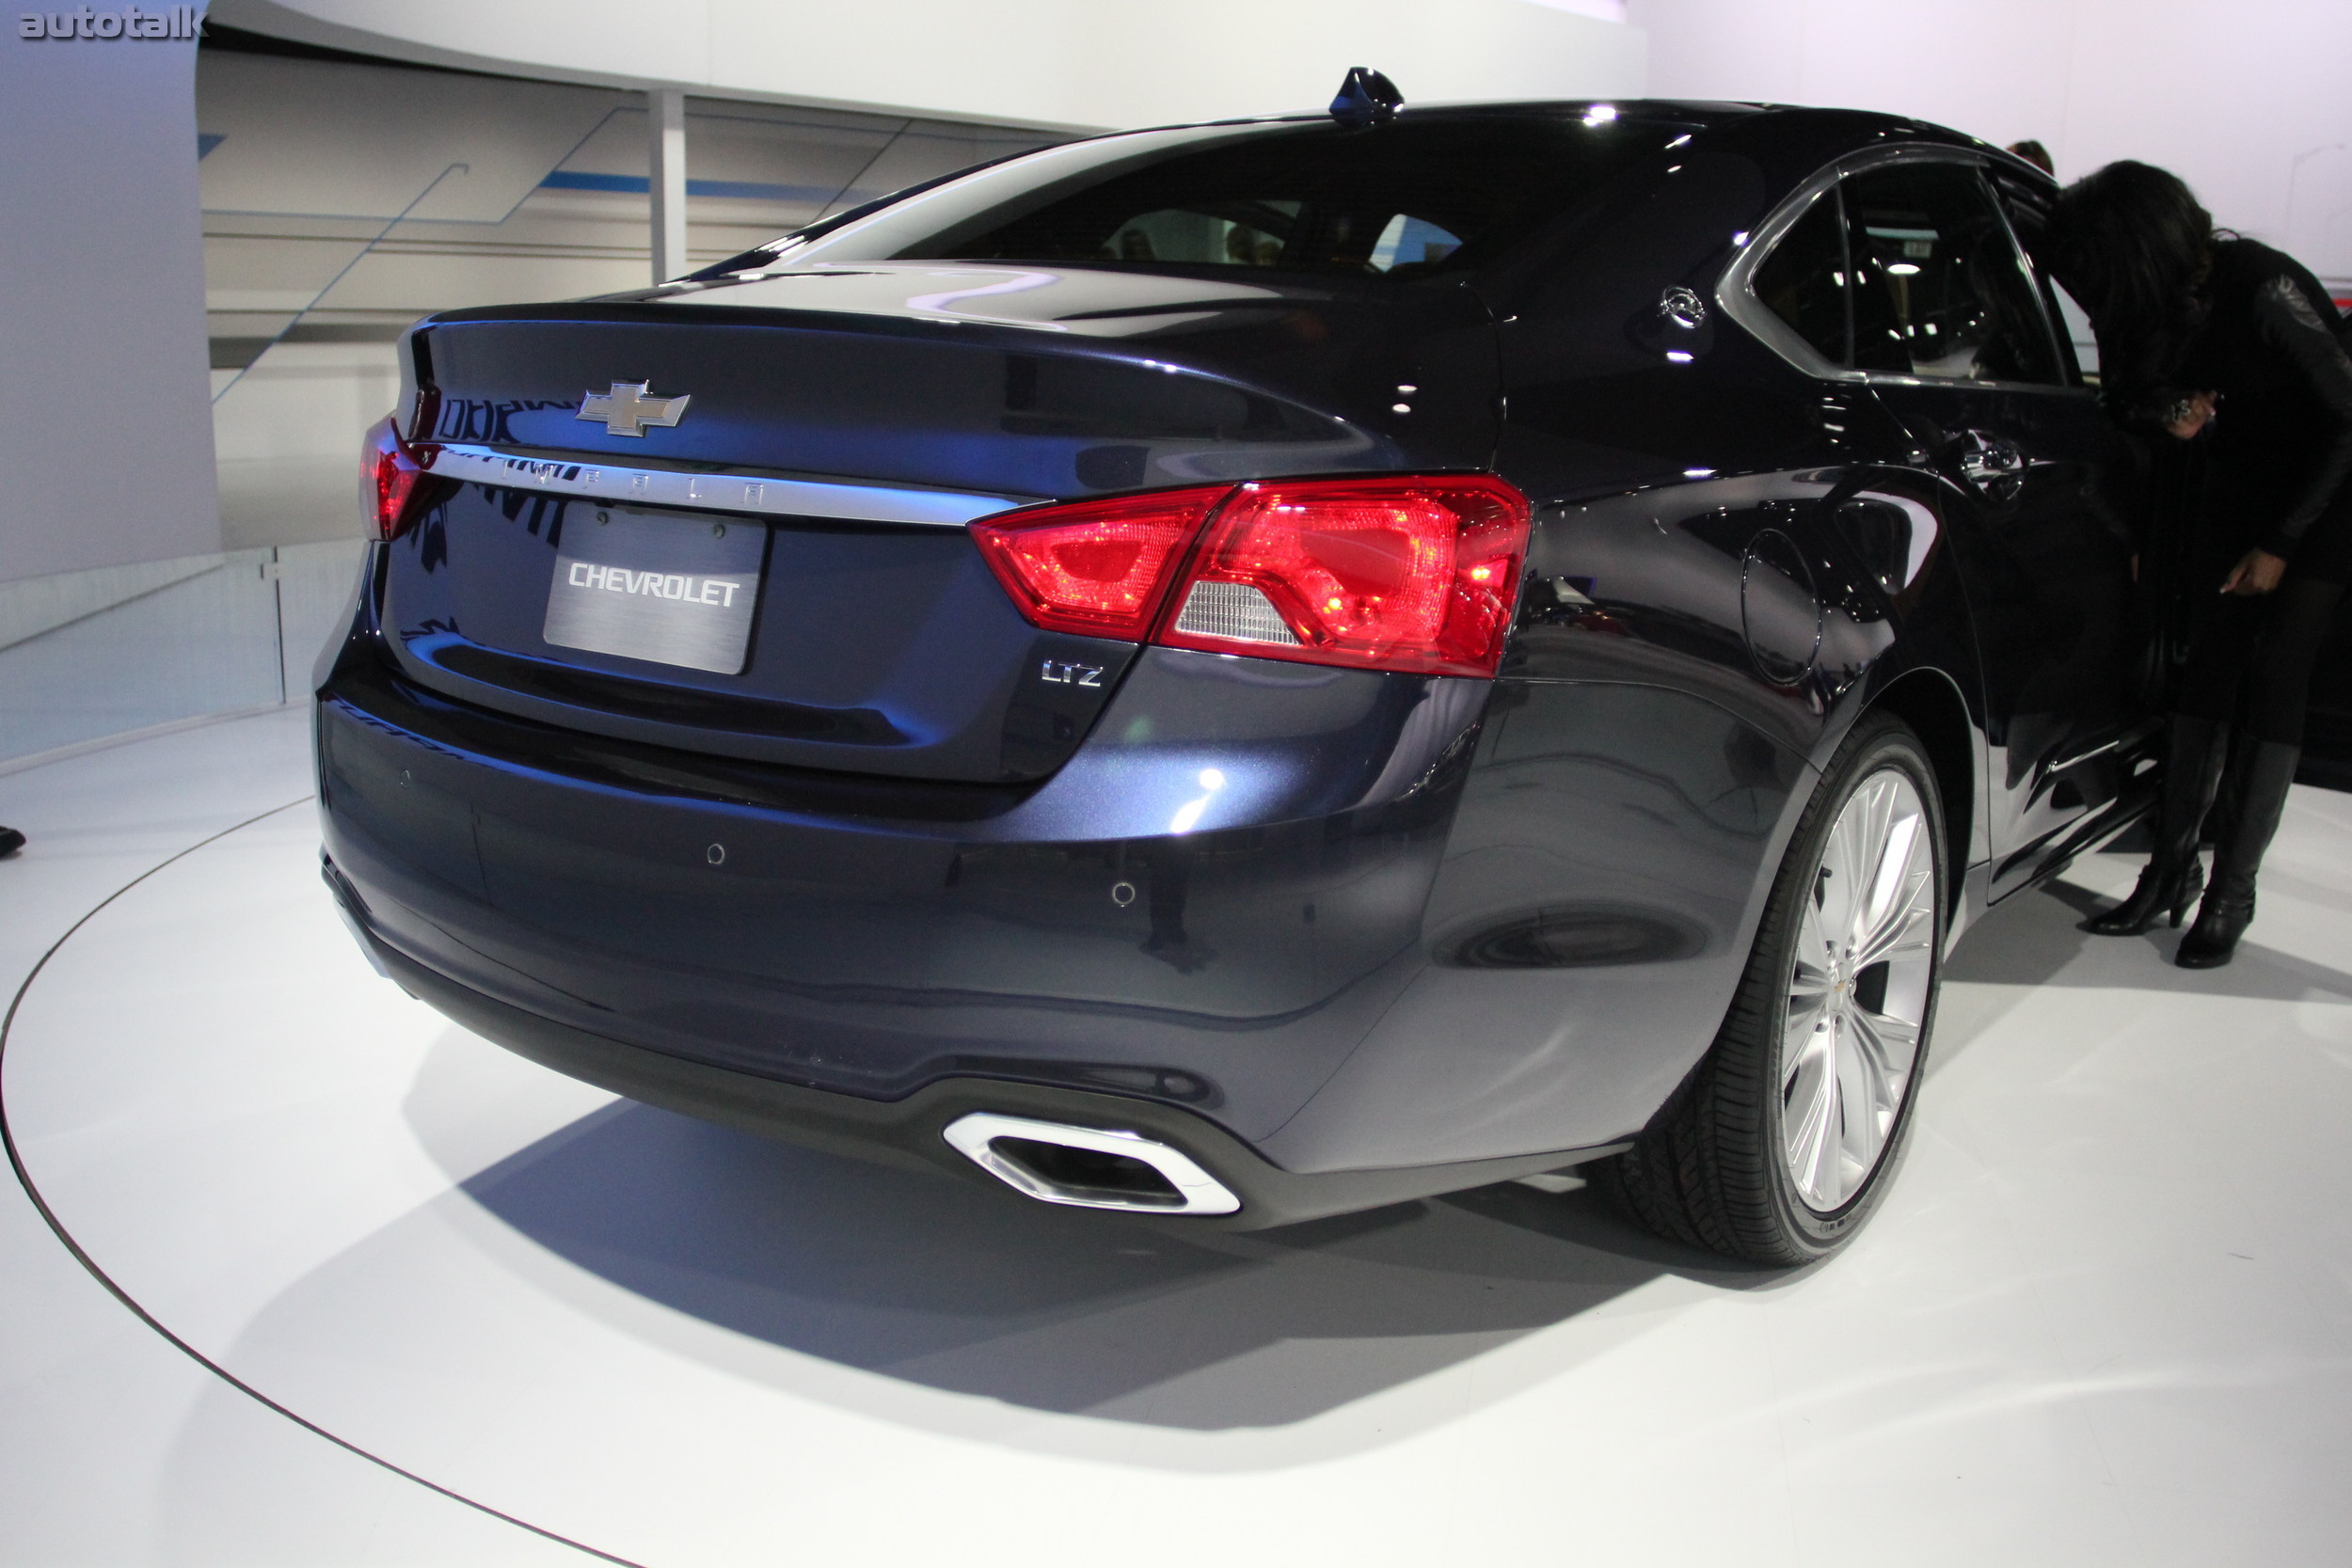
{"points": [[1875, 746]]}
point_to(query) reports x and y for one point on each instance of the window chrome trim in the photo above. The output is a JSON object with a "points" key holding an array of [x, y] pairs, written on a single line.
{"points": [[2061, 346], [1735, 290], [760, 495], [1735, 295]]}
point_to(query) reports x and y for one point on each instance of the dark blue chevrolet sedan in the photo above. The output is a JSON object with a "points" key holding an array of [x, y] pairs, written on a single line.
{"points": [[1250, 671]]}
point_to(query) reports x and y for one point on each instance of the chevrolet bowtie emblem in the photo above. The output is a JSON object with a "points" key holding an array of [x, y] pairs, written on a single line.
{"points": [[626, 410]]}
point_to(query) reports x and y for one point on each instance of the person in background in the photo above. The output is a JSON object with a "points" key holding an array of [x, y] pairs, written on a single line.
{"points": [[2209, 336], [2034, 154]]}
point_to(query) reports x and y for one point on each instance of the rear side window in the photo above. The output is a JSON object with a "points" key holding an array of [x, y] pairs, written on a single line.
{"points": [[1803, 281], [1940, 289], [1404, 199]]}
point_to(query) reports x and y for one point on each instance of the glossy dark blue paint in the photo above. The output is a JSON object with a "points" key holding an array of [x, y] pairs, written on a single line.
{"points": [[1359, 921], [1085, 382], [845, 667]]}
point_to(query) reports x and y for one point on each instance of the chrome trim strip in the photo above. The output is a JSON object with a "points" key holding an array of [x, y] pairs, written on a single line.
{"points": [[2129, 738], [1199, 1193], [2061, 348], [762, 495], [2062, 764]]}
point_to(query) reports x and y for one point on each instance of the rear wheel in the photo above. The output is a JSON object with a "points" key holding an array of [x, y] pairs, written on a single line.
{"points": [[1782, 1140]]}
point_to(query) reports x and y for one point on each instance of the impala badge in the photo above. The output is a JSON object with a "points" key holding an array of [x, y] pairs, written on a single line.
{"points": [[626, 410]]}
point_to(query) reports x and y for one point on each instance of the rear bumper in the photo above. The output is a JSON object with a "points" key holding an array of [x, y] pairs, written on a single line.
{"points": [[910, 1133], [1290, 906], [868, 936]]}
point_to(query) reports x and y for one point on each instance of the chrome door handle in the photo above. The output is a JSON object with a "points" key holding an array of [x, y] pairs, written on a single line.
{"points": [[1988, 462]]}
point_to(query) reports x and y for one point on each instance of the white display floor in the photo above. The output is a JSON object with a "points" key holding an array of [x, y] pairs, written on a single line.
{"points": [[2105, 1317]]}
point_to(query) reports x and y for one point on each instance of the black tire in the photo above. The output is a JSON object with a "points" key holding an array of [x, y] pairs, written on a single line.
{"points": [[1712, 1168]]}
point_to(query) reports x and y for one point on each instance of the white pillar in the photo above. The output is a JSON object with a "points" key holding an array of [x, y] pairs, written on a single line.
{"points": [[665, 147]]}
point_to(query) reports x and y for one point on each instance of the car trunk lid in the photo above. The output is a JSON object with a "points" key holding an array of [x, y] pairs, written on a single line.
{"points": [[773, 566]]}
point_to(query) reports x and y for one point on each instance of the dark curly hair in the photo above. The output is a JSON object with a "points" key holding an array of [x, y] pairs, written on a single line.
{"points": [[2133, 245]]}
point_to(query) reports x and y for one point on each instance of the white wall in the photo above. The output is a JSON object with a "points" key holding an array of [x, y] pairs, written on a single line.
{"points": [[2246, 101], [1075, 64], [105, 439], [309, 281]]}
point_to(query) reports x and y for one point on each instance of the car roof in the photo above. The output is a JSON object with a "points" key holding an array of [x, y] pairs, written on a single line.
{"points": [[1787, 135]]}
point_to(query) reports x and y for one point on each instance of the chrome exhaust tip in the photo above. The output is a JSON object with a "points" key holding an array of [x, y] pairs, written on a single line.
{"points": [[1089, 1167]]}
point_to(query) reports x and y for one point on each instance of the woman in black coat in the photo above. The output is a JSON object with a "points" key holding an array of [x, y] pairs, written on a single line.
{"points": [[2216, 337]]}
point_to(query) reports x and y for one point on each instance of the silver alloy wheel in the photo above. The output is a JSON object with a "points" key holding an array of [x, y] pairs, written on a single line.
{"points": [[1858, 992]]}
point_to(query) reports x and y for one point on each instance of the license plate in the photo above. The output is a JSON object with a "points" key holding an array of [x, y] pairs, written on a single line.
{"points": [[667, 590]]}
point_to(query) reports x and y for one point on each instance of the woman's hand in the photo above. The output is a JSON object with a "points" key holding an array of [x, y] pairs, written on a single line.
{"points": [[2259, 573], [2199, 413]]}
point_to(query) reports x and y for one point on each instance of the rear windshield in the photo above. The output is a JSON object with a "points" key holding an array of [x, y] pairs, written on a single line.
{"points": [[1409, 199]]}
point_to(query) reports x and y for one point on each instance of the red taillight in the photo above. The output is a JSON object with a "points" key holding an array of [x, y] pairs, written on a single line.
{"points": [[1416, 574], [1098, 568], [395, 487]]}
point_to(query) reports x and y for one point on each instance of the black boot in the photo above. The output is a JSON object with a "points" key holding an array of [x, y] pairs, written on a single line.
{"points": [[2228, 906], [2194, 749], [10, 841]]}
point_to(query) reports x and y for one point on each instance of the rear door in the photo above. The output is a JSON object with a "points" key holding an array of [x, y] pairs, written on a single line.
{"points": [[1950, 330]]}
